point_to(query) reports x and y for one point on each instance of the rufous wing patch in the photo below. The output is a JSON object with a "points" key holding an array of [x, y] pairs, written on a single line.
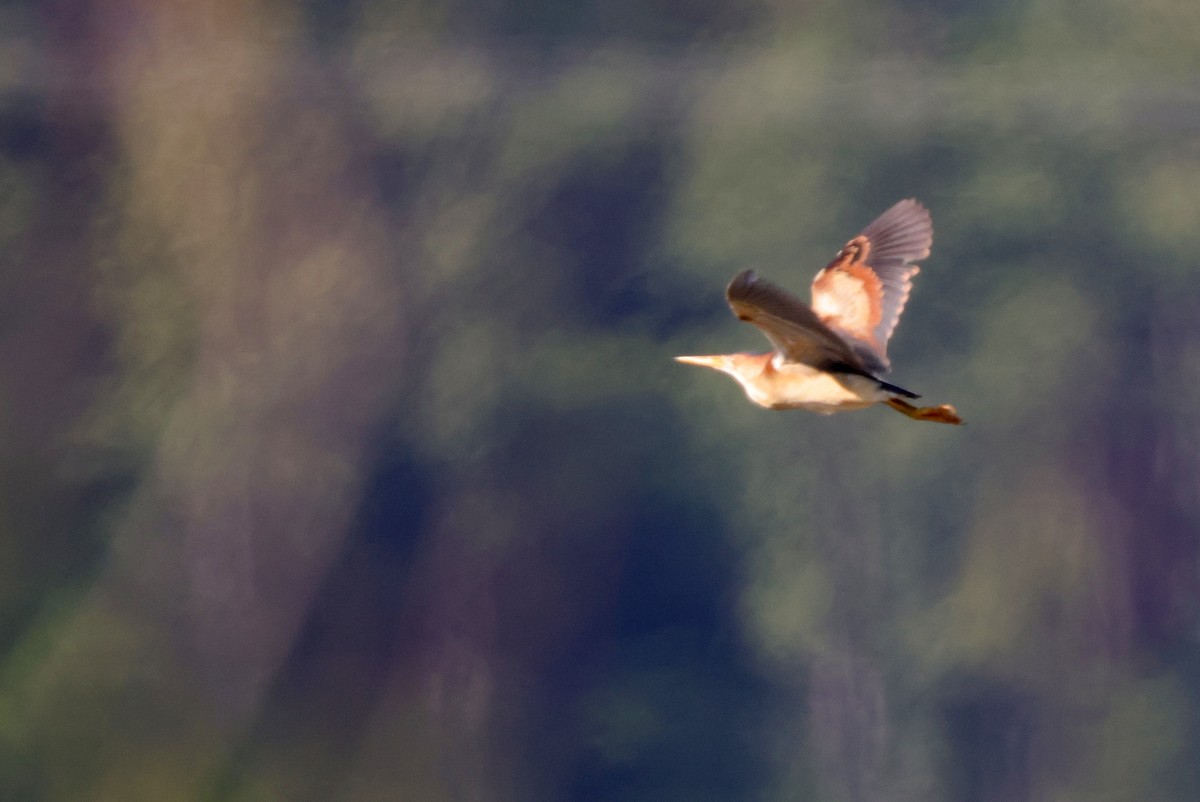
{"points": [[848, 296]]}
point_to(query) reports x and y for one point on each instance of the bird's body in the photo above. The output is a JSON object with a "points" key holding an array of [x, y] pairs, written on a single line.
{"points": [[829, 357], [775, 384]]}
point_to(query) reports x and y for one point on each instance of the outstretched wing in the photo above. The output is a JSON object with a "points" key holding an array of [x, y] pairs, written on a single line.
{"points": [[794, 329], [864, 289]]}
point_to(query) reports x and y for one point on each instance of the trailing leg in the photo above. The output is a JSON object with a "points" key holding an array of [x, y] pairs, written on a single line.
{"points": [[943, 413]]}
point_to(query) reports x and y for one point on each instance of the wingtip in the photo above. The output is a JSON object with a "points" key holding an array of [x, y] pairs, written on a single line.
{"points": [[906, 226], [907, 205], [742, 281]]}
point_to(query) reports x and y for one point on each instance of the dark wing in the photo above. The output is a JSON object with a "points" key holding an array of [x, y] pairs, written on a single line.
{"points": [[794, 329], [864, 289]]}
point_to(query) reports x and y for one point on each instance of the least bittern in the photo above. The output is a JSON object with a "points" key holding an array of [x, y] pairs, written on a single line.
{"points": [[829, 357]]}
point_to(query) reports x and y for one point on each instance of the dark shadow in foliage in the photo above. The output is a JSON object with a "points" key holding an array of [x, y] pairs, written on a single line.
{"points": [[394, 175], [401, 173], [327, 22], [552, 24], [680, 570], [603, 213], [651, 695], [342, 657], [23, 126], [672, 709], [990, 737], [395, 506]]}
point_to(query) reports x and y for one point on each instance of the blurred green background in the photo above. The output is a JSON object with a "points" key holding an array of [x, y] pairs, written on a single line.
{"points": [[344, 457]]}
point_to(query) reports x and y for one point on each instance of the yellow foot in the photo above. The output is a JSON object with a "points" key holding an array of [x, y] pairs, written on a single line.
{"points": [[943, 413]]}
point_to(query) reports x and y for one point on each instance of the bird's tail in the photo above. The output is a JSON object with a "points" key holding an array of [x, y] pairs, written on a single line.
{"points": [[892, 388]]}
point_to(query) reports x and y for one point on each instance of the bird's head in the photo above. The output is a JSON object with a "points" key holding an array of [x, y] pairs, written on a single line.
{"points": [[736, 365]]}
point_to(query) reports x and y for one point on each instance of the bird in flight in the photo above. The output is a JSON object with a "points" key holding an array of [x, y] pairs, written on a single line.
{"points": [[829, 357]]}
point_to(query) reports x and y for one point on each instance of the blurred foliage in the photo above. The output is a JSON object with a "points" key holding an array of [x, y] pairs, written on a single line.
{"points": [[345, 458]]}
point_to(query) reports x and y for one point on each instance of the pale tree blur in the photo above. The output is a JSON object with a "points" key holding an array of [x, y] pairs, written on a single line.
{"points": [[345, 458]]}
